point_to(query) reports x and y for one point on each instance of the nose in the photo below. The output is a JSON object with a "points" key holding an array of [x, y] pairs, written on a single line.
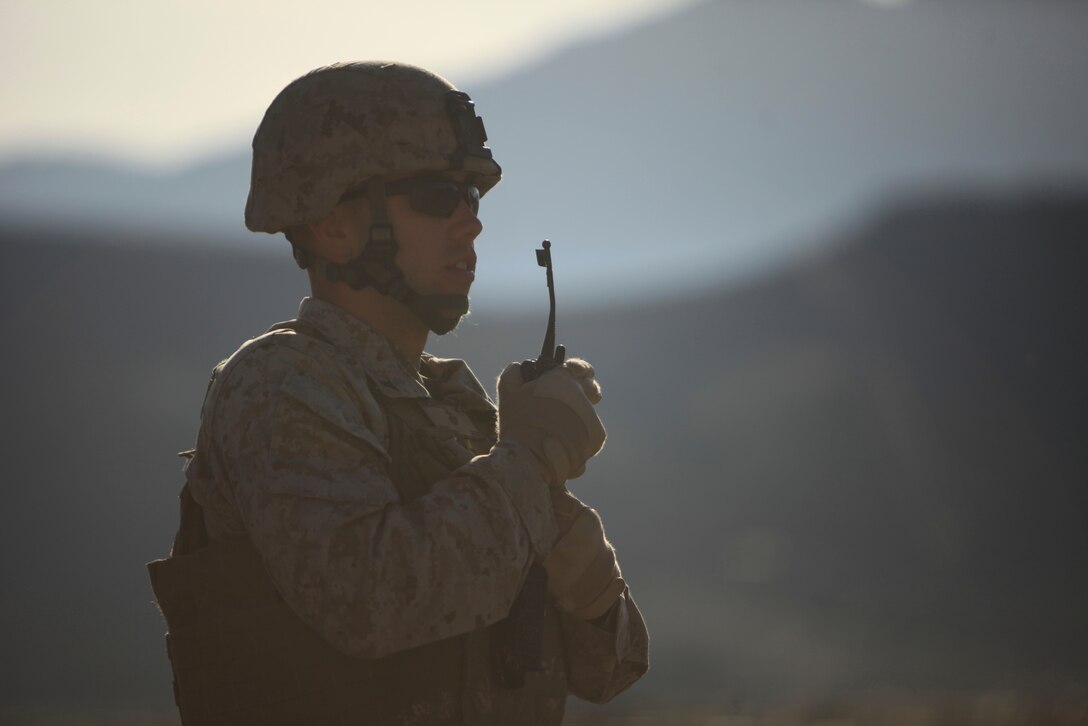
{"points": [[465, 223]]}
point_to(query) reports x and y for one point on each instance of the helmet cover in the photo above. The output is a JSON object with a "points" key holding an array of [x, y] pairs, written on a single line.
{"points": [[336, 127]]}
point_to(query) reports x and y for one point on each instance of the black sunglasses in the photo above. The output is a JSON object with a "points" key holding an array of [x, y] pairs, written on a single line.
{"points": [[433, 197]]}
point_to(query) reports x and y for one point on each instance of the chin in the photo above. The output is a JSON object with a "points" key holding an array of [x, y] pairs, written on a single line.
{"points": [[453, 323], [446, 314]]}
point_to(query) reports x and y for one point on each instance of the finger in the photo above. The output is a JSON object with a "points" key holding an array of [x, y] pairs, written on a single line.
{"points": [[579, 368], [581, 371], [511, 378], [592, 389]]}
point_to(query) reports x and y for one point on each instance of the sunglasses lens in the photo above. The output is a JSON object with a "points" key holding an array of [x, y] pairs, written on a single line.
{"points": [[432, 199], [440, 199], [472, 197]]}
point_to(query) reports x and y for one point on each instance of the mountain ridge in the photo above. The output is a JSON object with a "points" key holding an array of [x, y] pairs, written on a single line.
{"points": [[863, 472], [717, 141]]}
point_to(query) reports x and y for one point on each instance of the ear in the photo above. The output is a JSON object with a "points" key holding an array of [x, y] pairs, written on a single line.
{"points": [[336, 237]]}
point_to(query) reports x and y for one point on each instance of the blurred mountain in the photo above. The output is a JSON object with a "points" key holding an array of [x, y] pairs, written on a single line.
{"points": [[712, 143], [866, 471]]}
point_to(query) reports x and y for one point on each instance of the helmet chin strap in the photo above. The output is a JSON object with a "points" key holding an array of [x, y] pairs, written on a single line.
{"points": [[375, 268]]}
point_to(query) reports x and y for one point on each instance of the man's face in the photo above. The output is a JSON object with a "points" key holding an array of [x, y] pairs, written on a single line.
{"points": [[436, 254]]}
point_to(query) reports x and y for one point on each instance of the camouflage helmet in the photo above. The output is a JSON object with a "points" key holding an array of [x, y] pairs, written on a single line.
{"points": [[337, 126]]}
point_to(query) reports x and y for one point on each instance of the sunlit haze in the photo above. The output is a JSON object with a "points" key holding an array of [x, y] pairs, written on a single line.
{"points": [[159, 82], [827, 259], [715, 139]]}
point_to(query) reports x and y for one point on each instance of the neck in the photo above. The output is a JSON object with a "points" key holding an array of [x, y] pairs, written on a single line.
{"points": [[382, 313]]}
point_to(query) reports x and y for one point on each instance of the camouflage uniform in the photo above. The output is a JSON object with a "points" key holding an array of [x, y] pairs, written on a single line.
{"points": [[296, 455]]}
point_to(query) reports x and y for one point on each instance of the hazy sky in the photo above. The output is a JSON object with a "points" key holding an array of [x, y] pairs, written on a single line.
{"points": [[160, 80]]}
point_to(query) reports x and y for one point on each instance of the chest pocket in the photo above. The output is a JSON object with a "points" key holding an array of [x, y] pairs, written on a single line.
{"points": [[429, 439]]}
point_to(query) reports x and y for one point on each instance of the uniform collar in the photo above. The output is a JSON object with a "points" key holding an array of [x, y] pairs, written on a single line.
{"points": [[373, 355], [451, 380], [363, 349]]}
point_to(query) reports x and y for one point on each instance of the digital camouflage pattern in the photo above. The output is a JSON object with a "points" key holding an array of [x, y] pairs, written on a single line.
{"points": [[293, 454], [335, 127]]}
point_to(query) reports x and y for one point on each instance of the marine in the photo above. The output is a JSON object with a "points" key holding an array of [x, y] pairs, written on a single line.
{"points": [[359, 517]]}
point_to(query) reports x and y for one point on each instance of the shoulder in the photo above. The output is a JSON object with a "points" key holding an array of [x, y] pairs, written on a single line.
{"points": [[286, 363], [268, 360], [284, 381]]}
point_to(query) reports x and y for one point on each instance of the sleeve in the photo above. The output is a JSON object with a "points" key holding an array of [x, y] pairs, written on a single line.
{"points": [[308, 473], [605, 657]]}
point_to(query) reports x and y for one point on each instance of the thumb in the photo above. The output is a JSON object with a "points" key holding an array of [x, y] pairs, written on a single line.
{"points": [[510, 379]]}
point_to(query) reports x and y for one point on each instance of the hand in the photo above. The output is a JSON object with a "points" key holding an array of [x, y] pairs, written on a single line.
{"points": [[581, 371], [583, 575], [553, 416]]}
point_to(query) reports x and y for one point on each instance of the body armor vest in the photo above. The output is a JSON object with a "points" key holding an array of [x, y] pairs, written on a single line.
{"points": [[241, 656]]}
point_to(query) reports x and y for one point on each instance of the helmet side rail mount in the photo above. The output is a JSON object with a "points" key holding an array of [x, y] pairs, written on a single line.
{"points": [[468, 128]]}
